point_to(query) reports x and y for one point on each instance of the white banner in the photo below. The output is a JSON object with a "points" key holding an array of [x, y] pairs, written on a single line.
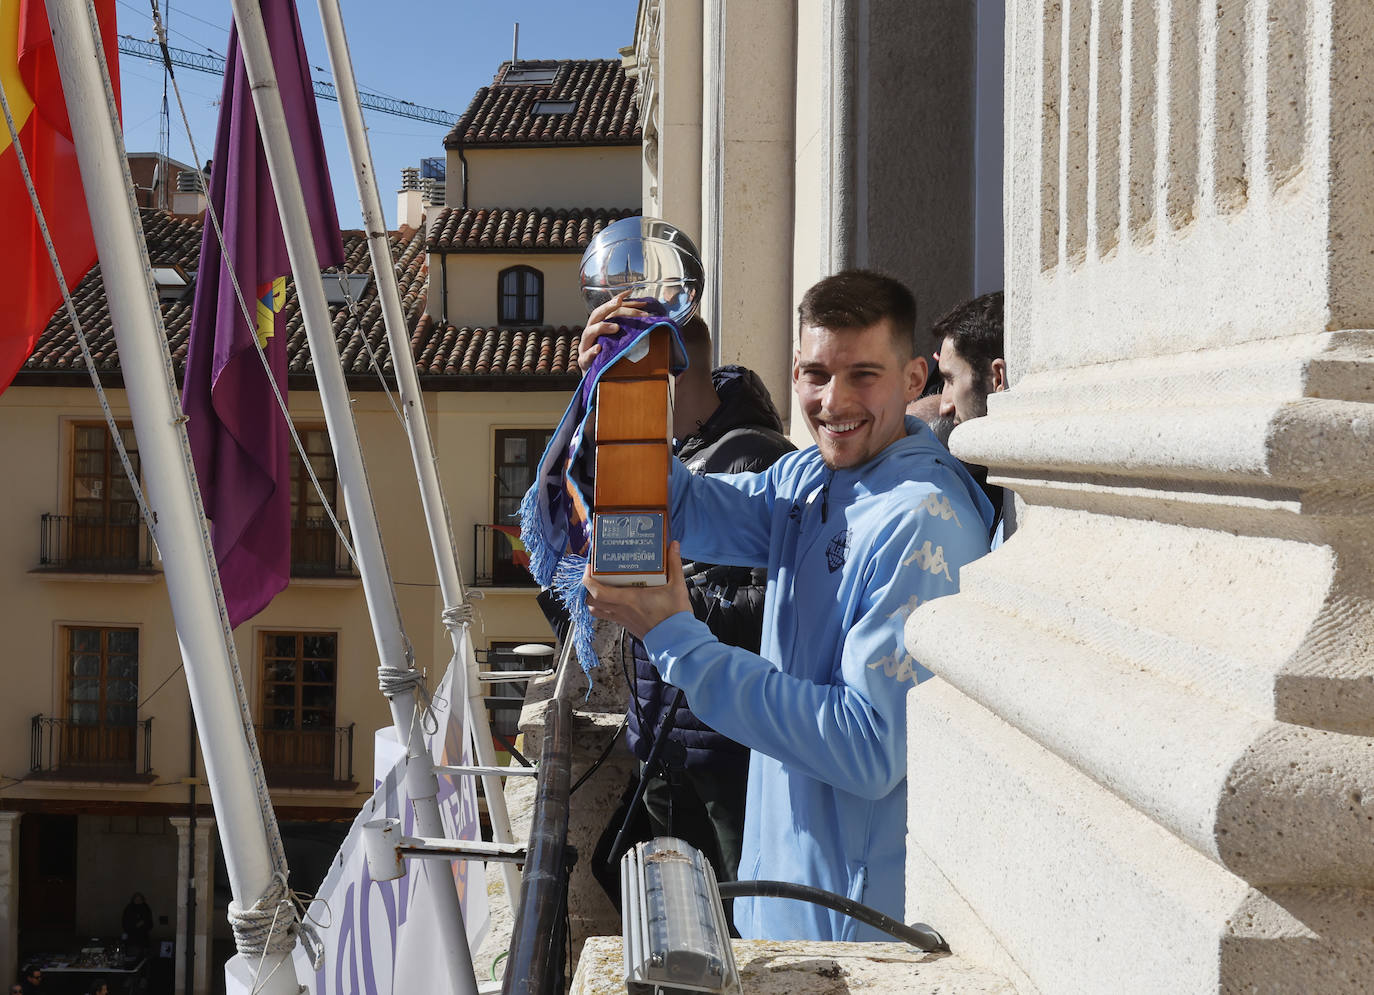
{"points": [[381, 937]]}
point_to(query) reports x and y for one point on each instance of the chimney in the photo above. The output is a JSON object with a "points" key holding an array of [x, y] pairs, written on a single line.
{"points": [[187, 199], [410, 207]]}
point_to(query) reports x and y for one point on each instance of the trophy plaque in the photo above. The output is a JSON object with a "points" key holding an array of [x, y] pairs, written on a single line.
{"points": [[630, 532]]}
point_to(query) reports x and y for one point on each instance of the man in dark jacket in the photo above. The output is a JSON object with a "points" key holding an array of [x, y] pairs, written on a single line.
{"points": [[723, 422]]}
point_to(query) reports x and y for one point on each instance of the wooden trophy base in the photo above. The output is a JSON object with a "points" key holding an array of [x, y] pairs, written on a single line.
{"points": [[630, 505]]}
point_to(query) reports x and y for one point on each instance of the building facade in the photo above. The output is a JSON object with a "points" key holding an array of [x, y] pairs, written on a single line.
{"points": [[104, 793]]}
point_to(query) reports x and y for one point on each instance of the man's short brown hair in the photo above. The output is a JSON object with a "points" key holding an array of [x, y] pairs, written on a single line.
{"points": [[860, 298], [975, 330]]}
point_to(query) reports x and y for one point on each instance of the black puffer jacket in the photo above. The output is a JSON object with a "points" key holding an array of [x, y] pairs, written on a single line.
{"points": [[743, 434]]}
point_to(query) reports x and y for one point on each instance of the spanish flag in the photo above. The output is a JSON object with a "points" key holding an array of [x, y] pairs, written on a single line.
{"points": [[28, 71], [519, 555]]}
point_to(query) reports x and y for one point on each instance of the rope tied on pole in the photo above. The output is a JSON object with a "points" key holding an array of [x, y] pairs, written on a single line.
{"points": [[461, 615], [398, 680], [273, 923]]}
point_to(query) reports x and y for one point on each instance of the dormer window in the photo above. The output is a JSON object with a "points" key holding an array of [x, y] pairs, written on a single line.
{"points": [[520, 296]]}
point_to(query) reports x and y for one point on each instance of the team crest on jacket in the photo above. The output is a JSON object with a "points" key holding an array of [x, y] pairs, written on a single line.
{"points": [[837, 551]]}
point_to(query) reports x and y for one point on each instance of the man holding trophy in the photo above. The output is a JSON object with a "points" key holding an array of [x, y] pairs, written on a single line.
{"points": [[855, 532]]}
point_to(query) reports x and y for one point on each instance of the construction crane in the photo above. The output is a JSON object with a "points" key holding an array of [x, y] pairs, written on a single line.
{"points": [[151, 51]]}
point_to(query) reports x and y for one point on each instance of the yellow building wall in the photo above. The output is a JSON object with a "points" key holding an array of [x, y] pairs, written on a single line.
{"points": [[464, 427], [35, 442], [472, 282], [606, 176]]}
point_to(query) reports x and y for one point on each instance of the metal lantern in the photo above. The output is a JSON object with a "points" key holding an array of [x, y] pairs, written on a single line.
{"points": [[648, 256]]}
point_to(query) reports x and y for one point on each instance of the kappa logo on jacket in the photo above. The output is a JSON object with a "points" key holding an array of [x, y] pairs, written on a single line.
{"points": [[837, 551]]}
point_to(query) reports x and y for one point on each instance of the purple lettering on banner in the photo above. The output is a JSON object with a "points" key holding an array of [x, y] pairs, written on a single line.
{"points": [[347, 942], [365, 922]]}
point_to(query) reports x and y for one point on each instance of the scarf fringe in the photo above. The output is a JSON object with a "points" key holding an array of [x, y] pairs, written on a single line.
{"points": [[543, 557], [567, 585], [563, 575]]}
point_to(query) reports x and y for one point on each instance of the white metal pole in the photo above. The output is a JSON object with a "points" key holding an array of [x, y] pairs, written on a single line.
{"points": [[437, 517], [392, 650], [197, 608]]}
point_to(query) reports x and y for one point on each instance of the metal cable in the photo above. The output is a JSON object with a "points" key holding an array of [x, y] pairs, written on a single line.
{"points": [[352, 306]]}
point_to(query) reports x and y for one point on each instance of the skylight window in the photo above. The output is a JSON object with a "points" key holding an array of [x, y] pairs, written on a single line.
{"points": [[170, 277], [555, 106], [173, 282], [530, 74], [351, 284]]}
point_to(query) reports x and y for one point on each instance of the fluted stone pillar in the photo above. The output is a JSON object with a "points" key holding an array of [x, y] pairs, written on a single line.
{"points": [[9, 892], [1147, 761], [193, 933]]}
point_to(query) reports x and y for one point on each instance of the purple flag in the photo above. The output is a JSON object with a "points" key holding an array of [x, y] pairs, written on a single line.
{"points": [[238, 436]]}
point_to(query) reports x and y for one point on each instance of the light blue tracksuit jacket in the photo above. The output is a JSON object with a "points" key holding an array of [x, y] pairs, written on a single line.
{"points": [[849, 553]]}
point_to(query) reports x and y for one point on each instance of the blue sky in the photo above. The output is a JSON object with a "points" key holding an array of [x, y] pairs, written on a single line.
{"points": [[435, 53]]}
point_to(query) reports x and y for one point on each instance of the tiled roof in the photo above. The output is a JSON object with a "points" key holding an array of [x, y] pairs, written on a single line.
{"points": [[605, 110], [519, 230], [445, 350], [177, 240]]}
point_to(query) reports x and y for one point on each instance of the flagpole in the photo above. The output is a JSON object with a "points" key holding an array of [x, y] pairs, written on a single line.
{"points": [[393, 651], [437, 518], [207, 647]]}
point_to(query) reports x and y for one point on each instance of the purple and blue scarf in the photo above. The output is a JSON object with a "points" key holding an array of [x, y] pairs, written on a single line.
{"points": [[556, 512]]}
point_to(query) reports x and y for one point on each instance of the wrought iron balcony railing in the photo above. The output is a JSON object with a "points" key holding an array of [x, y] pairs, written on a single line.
{"points": [[307, 758], [499, 558], [316, 550], [59, 747], [72, 544]]}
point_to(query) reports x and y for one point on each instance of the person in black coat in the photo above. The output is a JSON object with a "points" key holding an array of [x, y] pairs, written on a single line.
{"points": [[723, 422], [137, 921]]}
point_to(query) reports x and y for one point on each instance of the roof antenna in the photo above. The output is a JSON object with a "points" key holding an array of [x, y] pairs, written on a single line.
{"points": [[515, 45]]}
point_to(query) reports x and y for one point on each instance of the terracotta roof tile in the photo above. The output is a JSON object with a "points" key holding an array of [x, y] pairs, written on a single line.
{"points": [[503, 229], [449, 351], [177, 240], [605, 109]]}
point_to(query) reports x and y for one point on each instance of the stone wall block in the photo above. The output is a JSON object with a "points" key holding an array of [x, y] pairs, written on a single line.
{"points": [[1341, 48], [1035, 869], [1104, 140], [1050, 39], [1241, 124], [1179, 118], [1041, 857], [1253, 409], [1273, 802], [1144, 762], [1298, 809], [1231, 66], [1279, 936]]}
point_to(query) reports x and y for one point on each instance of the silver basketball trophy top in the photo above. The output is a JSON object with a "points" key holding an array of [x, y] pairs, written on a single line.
{"points": [[647, 256]]}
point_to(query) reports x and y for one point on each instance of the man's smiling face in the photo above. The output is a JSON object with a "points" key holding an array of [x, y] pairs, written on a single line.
{"points": [[853, 385]]}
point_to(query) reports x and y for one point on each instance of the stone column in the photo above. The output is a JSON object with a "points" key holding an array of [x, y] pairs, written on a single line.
{"points": [[1147, 763], [9, 892], [667, 59], [194, 936], [749, 62]]}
